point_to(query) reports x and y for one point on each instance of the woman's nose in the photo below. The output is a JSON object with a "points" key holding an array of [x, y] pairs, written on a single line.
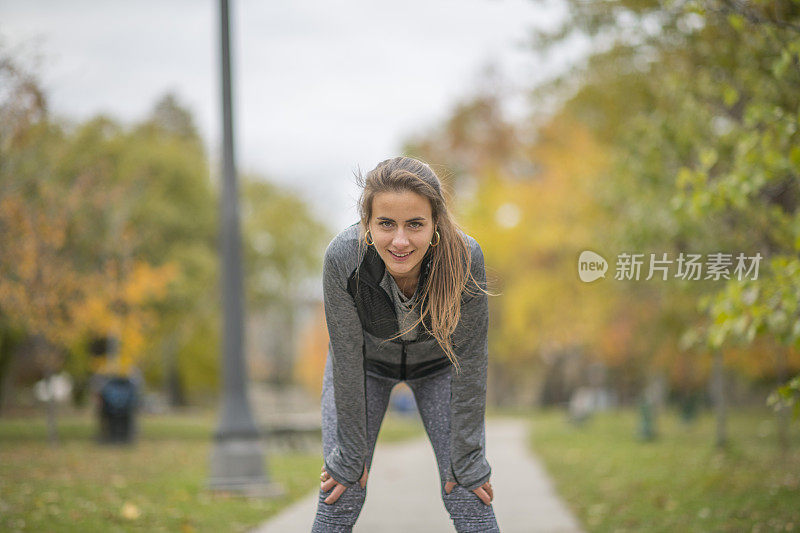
{"points": [[400, 239]]}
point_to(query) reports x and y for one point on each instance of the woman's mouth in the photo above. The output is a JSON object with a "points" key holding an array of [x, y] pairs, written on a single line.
{"points": [[399, 256]]}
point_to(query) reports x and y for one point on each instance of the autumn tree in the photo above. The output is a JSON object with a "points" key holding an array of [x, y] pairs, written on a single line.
{"points": [[283, 247], [697, 103], [46, 284]]}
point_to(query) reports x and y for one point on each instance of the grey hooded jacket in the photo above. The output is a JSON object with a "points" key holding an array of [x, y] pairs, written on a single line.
{"points": [[358, 345]]}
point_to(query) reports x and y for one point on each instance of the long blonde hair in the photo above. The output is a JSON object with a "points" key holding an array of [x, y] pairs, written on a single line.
{"points": [[450, 261]]}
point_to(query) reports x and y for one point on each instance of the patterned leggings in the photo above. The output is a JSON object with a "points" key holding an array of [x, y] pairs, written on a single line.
{"points": [[432, 395]]}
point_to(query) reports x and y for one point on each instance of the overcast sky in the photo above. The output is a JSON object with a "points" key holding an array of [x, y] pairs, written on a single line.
{"points": [[321, 87]]}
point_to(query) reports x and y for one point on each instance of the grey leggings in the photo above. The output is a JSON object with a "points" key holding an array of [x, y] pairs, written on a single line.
{"points": [[432, 395]]}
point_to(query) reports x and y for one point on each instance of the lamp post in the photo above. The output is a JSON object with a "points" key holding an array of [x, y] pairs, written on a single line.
{"points": [[237, 458]]}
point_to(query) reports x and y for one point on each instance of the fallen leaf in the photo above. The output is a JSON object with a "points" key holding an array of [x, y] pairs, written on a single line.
{"points": [[130, 511]]}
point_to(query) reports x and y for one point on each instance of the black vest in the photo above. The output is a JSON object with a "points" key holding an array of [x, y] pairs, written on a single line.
{"points": [[378, 316]]}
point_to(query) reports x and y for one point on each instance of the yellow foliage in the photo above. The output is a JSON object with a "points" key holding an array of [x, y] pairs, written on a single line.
{"points": [[45, 292], [140, 286], [532, 231], [38, 285]]}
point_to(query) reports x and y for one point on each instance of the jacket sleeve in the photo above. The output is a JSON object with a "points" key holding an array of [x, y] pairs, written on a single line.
{"points": [[469, 466], [345, 463]]}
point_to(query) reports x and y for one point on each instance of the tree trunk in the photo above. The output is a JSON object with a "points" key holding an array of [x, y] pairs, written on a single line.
{"points": [[42, 350], [9, 353], [720, 407], [177, 396], [52, 426], [6, 377], [173, 388], [287, 363], [783, 410]]}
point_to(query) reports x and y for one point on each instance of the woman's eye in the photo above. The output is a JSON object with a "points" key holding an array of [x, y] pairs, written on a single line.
{"points": [[385, 223], [416, 225]]}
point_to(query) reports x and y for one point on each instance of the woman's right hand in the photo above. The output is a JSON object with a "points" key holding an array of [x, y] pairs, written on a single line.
{"points": [[484, 492], [327, 483]]}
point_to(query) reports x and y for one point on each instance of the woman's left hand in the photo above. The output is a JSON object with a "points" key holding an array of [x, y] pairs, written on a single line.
{"points": [[484, 492], [327, 483]]}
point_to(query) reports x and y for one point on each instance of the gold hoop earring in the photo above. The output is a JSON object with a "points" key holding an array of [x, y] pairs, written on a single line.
{"points": [[366, 238], [438, 238]]}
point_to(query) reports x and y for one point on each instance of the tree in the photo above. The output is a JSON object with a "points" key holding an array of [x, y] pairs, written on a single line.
{"points": [[283, 248], [698, 102]]}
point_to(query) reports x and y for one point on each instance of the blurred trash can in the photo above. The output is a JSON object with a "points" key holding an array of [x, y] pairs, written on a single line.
{"points": [[118, 404]]}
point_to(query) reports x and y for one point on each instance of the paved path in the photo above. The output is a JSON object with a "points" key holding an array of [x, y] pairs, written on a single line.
{"points": [[524, 499]]}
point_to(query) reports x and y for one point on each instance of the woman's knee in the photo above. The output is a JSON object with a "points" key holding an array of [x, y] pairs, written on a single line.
{"points": [[341, 515], [468, 512]]}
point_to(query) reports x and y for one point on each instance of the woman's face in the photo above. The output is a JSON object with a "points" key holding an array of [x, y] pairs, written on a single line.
{"points": [[402, 227]]}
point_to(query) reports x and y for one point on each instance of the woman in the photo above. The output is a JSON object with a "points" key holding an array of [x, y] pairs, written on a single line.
{"points": [[405, 301]]}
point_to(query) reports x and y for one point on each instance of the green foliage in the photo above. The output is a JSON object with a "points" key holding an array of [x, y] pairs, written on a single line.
{"points": [[787, 396], [284, 243], [701, 114]]}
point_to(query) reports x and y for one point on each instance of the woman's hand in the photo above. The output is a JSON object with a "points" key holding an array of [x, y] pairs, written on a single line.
{"points": [[484, 492], [327, 483]]}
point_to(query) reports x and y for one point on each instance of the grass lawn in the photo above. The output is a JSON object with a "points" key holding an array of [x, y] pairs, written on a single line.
{"points": [[614, 481], [156, 485]]}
